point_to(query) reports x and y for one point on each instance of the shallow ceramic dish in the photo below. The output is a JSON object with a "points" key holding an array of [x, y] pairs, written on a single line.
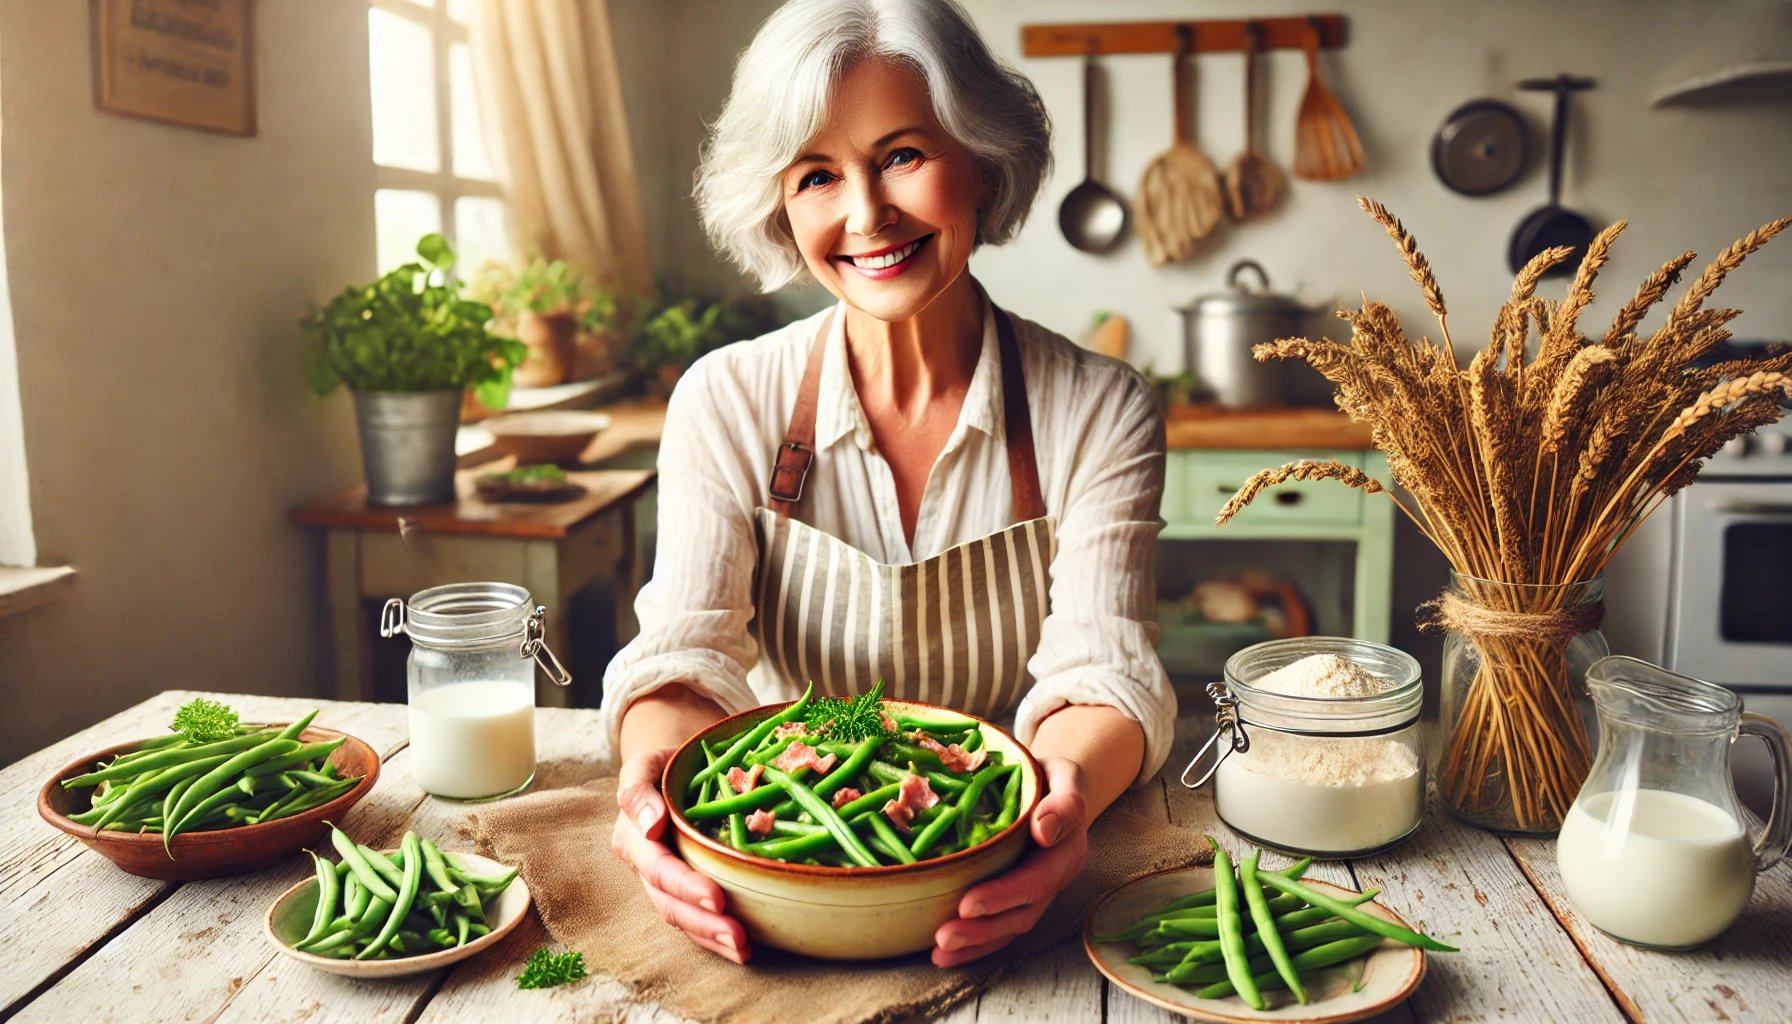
{"points": [[289, 919], [1389, 975], [845, 913], [217, 852], [559, 436]]}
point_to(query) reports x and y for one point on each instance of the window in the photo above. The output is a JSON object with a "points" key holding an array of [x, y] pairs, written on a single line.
{"points": [[432, 169]]}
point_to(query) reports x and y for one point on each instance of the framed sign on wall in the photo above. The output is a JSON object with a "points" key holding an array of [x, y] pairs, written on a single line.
{"points": [[184, 62]]}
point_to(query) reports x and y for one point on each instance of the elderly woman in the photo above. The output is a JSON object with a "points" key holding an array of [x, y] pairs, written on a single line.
{"points": [[911, 486]]}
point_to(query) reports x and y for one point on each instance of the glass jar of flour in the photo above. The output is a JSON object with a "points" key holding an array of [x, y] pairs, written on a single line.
{"points": [[1318, 746], [471, 675]]}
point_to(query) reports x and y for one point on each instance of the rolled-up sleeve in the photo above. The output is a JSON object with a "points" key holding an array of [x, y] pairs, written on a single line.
{"points": [[695, 611], [1098, 645]]}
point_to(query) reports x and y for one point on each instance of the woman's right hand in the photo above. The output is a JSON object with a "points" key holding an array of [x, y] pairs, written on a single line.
{"points": [[685, 899]]}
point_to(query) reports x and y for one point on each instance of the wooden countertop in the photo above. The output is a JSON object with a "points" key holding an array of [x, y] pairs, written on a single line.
{"points": [[85, 941], [1216, 427], [468, 514]]}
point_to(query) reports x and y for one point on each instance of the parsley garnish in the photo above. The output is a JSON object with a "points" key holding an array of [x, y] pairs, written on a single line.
{"points": [[849, 719], [205, 721], [545, 969]]}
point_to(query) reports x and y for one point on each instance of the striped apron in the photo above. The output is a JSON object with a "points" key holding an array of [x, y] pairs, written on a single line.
{"points": [[956, 629]]}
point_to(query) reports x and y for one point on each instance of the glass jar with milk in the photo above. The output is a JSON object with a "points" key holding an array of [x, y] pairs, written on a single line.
{"points": [[471, 673], [1322, 753], [1654, 851]]}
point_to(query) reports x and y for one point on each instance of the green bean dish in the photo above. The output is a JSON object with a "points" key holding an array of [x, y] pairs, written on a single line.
{"points": [[1257, 931], [212, 773], [850, 782]]}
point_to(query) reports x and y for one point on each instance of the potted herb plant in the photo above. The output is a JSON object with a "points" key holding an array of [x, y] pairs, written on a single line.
{"points": [[408, 346], [546, 303], [680, 330]]}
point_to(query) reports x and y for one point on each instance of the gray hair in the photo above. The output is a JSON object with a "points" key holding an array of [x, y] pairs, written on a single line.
{"points": [[779, 100]]}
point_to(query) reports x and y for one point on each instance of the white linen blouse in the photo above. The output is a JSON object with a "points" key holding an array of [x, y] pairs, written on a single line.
{"points": [[1099, 442]]}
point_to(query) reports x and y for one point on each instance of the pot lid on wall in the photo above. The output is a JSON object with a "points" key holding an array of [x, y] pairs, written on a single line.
{"points": [[1746, 55]]}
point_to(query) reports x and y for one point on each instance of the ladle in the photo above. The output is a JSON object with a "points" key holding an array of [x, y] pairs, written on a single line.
{"points": [[1092, 217]]}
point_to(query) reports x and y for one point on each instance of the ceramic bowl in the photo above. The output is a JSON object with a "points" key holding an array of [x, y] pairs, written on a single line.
{"points": [[558, 436], [1386, 977], [289, 919], [845, 913], [219, 852]]}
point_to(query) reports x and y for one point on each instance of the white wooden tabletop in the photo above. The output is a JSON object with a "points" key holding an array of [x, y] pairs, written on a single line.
{"points": [[82, 941]]}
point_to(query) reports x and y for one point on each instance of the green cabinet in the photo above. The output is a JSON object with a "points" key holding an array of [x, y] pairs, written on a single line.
{"points": [[1198, 482]]}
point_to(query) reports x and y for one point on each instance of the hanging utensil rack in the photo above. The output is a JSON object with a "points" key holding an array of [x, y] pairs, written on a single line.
{"points": [[1211, 36]]}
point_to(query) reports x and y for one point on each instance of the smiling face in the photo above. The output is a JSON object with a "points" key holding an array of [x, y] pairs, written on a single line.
{"points": [[883, 202]]}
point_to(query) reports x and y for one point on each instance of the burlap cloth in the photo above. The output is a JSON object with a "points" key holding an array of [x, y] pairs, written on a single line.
{"points": [[593, 903]]}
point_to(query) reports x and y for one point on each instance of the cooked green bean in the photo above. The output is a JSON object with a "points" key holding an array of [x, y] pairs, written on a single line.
{"points": [[967, 801], [1367, 922], [1231, 929], [732, 755], [821, 811], [1010, 803], [891, 840], [845, 770], [931, 834], [1266, 926]]}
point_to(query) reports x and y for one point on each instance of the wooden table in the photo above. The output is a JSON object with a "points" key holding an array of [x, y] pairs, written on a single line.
{"points": [[82, 941], [552, 550]]}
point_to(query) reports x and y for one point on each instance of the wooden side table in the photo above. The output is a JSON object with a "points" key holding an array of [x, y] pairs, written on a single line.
{"points": [[553, 550]]}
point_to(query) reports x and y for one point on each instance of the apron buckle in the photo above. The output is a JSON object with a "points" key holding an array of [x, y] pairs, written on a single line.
{"points": [[791, 471]]}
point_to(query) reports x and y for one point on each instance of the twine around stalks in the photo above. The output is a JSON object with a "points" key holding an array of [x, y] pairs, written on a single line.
{"points": [[1520, 693]]}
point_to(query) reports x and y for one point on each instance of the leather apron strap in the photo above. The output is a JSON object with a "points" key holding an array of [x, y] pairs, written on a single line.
{"points": [[797, 454]]}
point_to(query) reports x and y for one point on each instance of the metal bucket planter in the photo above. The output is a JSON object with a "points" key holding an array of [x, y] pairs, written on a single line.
{"points": [[407, 445]]}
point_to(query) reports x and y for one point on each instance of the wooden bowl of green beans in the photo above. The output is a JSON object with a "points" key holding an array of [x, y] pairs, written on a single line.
{"points": [[833, 873], [229, 837]]}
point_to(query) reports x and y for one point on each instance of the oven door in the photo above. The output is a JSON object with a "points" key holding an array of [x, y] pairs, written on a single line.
{"points": [[1730, 597]]}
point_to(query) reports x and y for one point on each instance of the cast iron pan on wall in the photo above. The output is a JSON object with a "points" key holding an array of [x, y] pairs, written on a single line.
{"points": [[1552, 224]]}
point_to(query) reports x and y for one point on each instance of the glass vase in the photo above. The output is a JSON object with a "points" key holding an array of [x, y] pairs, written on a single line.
{"points": [[1517, 746]]}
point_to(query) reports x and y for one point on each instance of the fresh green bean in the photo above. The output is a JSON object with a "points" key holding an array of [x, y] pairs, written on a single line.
{"points": [[173, 795], [1367, 922], [1312, 959], [1202, 965], [383, 866], [1266, 926], [304, 755], [931, 834], [305, 800], [732, 755], [166, 759], [363, 869], [459, 868], [437, 867], [328, 890], [461, 926], [224, 774], [1174, 909], [891, 840], [407, 894], [822, 812], [1231, 929]]}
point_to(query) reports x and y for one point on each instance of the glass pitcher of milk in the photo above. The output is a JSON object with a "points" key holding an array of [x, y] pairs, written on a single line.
{"points": [[1655, 851], [471, 674]]}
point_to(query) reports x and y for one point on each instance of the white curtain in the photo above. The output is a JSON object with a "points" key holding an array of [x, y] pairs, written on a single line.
{"points": [[551, 103]]}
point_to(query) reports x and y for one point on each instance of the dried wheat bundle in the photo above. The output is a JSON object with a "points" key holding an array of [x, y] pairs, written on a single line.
{"points": [[1533, 465]]}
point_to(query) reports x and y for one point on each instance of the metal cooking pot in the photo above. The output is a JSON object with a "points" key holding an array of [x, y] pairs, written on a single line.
{"points": [[1219, 330]]}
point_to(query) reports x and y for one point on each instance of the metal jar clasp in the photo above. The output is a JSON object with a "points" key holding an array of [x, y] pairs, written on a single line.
{"points": [[1226, 722], [536, 647]]}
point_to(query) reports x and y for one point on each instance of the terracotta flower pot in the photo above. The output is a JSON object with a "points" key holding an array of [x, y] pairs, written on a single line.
{"points": [[552, 345]]}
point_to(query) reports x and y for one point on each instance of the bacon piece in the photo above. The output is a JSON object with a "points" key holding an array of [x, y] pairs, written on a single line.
{"points": [[842, 797], [889, 723], [802, 755], [790, 729], [743, 782], [954, 757], [760, 822], [915, 795]]}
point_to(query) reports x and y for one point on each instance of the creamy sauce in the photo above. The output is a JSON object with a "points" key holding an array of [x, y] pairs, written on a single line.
{"points": [[1665, 870], [471, 740]]}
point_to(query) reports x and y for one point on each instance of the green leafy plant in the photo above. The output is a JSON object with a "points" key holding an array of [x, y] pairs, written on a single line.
{"points": [[545, 969], [411, 330], [543, 287], [849, 719], [205, 721], [680, 329]]}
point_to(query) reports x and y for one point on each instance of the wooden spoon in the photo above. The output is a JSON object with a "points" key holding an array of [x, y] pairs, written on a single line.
{"points": [[1325, 142], [1253, 183], [1181, 198]]}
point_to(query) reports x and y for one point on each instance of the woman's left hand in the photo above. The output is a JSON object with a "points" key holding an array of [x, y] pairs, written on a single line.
{"points": [[993, 913]]}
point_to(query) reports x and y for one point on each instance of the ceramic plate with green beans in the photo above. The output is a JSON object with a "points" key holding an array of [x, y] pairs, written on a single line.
{"points": [[852, 782], [1245, 941], [386, 912], [211, 772]]}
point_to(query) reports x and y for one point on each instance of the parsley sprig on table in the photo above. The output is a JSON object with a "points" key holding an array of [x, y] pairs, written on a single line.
{"points": [[849, 719], [545, 969], [205, 721]]}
